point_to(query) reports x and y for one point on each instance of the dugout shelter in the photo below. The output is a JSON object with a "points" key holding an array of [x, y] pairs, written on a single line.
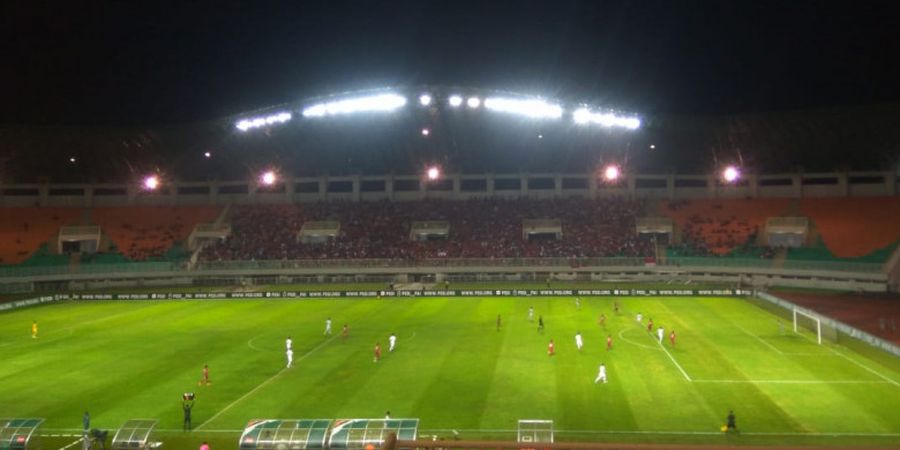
{"points": [[20, 434], [288, 434], [135, 434], [358, 434]]}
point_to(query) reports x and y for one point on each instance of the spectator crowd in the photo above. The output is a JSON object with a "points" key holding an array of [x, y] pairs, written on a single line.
{"points": [[481, 228]]}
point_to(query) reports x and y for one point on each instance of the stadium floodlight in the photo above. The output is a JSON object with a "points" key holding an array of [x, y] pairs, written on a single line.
{"points": [[584, 116], [611, 173], [652, 146], [207, 155], [473, 102], [268, 178], [424, 99], [72, 160], [535, 109], [257, 122], [151, 182], [373, 103], [455, 100], [731, 174], [433, 173], [426, 132]]}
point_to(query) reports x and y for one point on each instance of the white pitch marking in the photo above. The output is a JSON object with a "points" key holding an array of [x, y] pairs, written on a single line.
{"points": [[759, 339], [794, 381], [264, 383], [253, 347], [621, 336], [853, 361], [72, 444], [663, 347]]}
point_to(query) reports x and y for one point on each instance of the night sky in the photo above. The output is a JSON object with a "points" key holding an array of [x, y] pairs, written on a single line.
{"points": [[147, 63]]}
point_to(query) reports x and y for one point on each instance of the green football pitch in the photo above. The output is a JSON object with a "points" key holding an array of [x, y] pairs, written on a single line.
{"points": [[452, 368]]}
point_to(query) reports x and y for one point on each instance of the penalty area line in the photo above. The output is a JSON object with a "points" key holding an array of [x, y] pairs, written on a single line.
{"points": [[263, 384]]}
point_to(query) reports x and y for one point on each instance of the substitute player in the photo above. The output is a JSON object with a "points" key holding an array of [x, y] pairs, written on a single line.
{"points": [[393, 342], [601, 374], [550, 348], [377, 352], [579, 342], [327, 327], [34, 329], [289, 354]]}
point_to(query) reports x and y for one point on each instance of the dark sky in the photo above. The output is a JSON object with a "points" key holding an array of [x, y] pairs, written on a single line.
{"points": [[151, 63]]}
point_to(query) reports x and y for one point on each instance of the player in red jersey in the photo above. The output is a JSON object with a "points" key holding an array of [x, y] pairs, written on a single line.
{"points": [[377, 352], [345, 332], [602, 320], [608, 342], [205, 379], [672, 338], [650, 326], [550, 349]]}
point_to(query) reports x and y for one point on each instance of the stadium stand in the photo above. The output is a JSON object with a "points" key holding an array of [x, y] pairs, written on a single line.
{"points": [[478, 228], [721, 226], [24, 230], [149, 232], [855, 227]]}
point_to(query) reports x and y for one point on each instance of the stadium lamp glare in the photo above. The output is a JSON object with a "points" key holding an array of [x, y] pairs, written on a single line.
{"points": [[373, 103], [535, 109], [474, 102], [72, 160], [424, 99], [731, 174], [207, 155], [455, 100], [584, 116], [433, 173], [257, 122], [426, 132], [611, 173], [268, 178], [151, 182]]}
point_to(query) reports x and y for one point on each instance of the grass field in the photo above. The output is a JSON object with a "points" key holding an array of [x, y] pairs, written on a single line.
{"points": [[452, 369]]}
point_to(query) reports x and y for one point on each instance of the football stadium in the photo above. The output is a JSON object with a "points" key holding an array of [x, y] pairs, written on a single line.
{"points": [[450, 265]]}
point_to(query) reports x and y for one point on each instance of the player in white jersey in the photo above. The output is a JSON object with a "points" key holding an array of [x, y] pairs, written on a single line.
{"points": [[640, 317], [290, 357], [392, 341], [531, 313], [601, 375], [660, 332], [288, 343], [327, 326], [579, 342]]}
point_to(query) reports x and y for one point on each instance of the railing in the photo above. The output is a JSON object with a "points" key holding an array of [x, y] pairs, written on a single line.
{"points": [[269, 265]]}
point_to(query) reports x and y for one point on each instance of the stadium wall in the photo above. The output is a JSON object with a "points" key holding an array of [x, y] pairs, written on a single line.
{"points": [[240, 273], [457, 187]]}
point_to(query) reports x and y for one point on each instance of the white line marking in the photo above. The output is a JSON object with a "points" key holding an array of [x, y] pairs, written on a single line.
{"points": [[663, 347], [889, 380], [759, 339], [794, 381], [263, 384], [621, 336], [250, 344], [72, 444]]}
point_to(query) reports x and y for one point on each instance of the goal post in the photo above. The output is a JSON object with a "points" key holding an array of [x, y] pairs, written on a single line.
{"points": [[806, 320]]}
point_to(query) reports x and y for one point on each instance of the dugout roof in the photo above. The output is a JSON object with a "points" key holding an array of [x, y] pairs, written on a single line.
{"points": [[295, 434], [356, 434], [16, 434], [134, 433]]}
